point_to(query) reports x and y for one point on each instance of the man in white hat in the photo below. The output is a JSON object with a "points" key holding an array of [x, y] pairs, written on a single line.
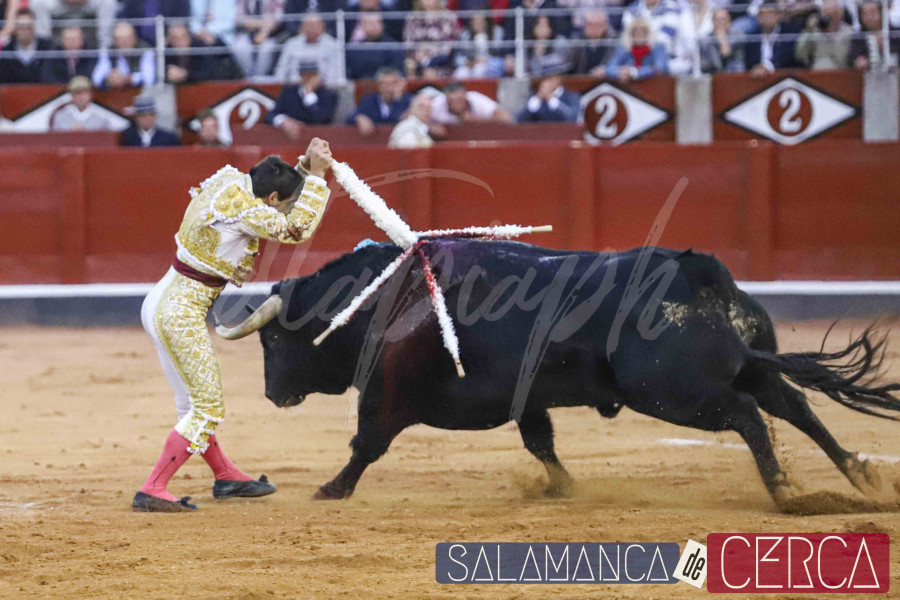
{"points": [[81, 113]]}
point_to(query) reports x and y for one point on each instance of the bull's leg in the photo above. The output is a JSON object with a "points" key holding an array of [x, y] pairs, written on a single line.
{"points": [[369, 444], [537, 434], [779, 399], [744, 418]]}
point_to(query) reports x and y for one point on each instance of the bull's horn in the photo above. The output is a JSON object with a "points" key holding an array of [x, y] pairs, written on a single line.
{"points": [[262, 315]]}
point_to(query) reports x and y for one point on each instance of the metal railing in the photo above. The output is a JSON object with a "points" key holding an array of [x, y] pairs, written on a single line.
{"points": [[518, 47]]}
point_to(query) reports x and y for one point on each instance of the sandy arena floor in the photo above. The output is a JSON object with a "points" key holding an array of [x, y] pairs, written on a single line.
{"points": [[85, 411]]}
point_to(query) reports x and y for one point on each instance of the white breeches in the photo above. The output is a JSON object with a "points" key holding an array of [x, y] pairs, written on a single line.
{"points": [[174, 314]]}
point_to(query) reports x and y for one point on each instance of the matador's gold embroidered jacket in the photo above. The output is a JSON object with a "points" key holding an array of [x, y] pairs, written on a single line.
{"points": [[223, 224]]}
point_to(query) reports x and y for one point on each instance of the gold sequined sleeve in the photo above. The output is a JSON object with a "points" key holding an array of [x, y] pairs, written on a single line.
{"points": [[303, 218]]}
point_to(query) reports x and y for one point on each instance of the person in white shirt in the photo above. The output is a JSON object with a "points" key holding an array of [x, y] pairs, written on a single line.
{"points": [[412, 132], [81, 113], [459, 105], [311, 44]]}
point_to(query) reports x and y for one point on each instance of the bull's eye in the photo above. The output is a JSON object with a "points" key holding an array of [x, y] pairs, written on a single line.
{"points": [[274, 337]]}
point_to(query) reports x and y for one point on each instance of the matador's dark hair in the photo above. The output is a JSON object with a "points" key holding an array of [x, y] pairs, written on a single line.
{"points": [[272, 174]]}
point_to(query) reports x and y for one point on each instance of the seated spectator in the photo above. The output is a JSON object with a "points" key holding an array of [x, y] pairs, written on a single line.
{"points": [[393, 28], [80, 114], [561, 24], [208, 133], [582, 8], [764, 55], [213, 20], [548, 54], [62, 70], [413, 131], [311, 44], [795, 12], [591, 59], [18, 63], [120, 67], [431, 31], [8, 11], [532, 10], [719, 51], [830, 51], [552, 102], [257, 35], [295, 8], [867, 47], [664, 18], [363, 63], [185, 67], [309, 103], [387, 105], [459, 105], [144, 133], [148, 9], [494, 7], [639, 55], [477, 60], [103, 11]]}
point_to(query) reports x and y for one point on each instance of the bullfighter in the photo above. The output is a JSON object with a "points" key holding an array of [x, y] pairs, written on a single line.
{"points": [[217, 244]]}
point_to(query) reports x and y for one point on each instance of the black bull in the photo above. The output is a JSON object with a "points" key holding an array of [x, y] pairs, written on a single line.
{"points": [[665, 333]]}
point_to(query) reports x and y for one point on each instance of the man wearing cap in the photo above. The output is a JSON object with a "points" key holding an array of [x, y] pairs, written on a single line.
{"points": [[217, 244], [309, 103], [771, 49], [81, 113], [144, 132]]}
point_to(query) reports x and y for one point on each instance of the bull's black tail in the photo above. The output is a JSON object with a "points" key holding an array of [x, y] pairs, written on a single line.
{"points": [[847, 376]]}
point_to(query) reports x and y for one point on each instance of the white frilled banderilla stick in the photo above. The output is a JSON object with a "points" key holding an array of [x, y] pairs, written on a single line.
{"points": [[411, 242]]}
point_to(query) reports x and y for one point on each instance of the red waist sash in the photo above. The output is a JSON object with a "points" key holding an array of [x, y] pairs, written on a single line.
{"points": [[192, 273]]}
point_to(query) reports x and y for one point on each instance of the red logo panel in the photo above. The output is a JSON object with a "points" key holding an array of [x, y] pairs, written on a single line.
{"points": [[821, 563]]}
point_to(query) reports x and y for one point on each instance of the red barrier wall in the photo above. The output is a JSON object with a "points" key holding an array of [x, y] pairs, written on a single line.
{"points": [[823, 211]]}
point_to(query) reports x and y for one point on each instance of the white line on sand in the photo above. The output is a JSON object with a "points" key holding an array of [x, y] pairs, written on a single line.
{"points": [[732, 446]]}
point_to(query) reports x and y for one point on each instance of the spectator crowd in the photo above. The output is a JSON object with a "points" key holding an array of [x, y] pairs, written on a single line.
{"points": [[112, 44], [269, 39]]}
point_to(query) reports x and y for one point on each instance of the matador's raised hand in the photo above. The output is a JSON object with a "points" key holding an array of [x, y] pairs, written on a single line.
{"points": [[317, 159]]}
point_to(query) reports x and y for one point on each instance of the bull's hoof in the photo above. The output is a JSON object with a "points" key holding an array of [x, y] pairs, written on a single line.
{"points": [[560, 489], [331, 492], [784, 491], [865, 477]]}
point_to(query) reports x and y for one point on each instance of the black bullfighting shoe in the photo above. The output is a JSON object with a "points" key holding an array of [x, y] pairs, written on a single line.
{"points": [[146, 503], [224, 488]]}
